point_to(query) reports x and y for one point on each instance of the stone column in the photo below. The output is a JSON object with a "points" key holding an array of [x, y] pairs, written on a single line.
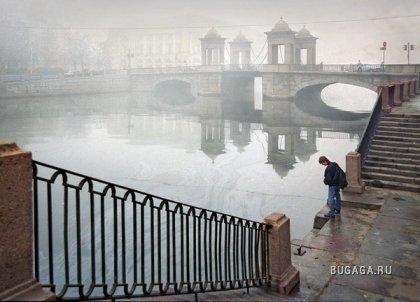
{"points": [[385, 98], [203, 56], [288, 54], [284, 276], [298, 58], [222, 56], [412, 90], [353, 171], [16, 223], [269, 53], [311, 56], [397, 93], [405, 91]]}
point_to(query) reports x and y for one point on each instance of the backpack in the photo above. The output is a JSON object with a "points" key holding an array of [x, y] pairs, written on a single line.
{"points": [[341, 175]]}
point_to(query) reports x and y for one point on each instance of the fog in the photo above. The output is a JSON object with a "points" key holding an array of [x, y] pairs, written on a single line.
{"points": [[101, 34]]}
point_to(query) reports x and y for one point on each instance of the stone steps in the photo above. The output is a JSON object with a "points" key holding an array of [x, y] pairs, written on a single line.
{"points": [[391, 177], [392, 185], [404, 123], [408, 151], [393, 160], [388, 134], [379, 151], [401, 116], [390, 142], [392, 165]]}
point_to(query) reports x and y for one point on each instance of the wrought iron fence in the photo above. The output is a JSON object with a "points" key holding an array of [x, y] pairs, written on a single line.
{"points": [[99, 240]]}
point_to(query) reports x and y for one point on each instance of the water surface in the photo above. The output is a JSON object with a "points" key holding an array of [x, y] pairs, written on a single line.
{"points": [[211, 159]]}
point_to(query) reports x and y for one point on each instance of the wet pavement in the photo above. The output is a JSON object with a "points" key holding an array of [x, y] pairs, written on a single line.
{"points": [[385, 240]]}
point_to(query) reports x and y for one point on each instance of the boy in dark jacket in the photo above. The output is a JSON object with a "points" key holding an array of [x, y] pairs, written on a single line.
{"points": [[331, 179]]}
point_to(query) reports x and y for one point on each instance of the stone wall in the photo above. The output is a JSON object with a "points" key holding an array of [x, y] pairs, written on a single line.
{"points": [[66, 86]]}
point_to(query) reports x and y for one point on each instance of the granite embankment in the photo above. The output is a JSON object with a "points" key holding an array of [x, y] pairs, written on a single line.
{"points": [[65, 86]]}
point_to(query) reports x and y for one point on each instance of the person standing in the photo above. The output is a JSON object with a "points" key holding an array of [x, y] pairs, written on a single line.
{"points": [[331, 179], [359, 66]]}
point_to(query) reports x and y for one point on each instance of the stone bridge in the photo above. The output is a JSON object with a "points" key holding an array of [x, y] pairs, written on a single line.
{"points": [[278, 81]]}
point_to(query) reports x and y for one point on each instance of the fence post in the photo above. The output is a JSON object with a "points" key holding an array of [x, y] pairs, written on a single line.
{"points": [[385, 98], [16, 224], [405, 91], [284, 276], [397, 93], [412, 91], [353, 171]]}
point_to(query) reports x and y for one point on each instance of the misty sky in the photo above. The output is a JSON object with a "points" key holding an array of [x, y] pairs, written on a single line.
{"points": [[339, 42]]}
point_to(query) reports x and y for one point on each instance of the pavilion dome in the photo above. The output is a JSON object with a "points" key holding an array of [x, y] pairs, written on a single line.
{"points": [[212, 34], [281, 26], [304, 33], [240, 38]]}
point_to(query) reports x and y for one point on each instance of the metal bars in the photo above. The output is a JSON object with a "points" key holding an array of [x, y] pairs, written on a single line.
{"points": [[98, 240], [369, 131]]}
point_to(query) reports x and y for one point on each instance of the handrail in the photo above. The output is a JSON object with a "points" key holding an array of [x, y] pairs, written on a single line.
{"points": [[370, 128], [99, 240]]}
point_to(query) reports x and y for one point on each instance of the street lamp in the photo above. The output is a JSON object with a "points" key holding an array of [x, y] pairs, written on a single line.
{"points": [[383, 48], [407, 47]]}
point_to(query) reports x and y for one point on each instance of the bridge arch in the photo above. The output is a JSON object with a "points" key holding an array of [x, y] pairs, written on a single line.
{"points": [[175, 90], [329, 81]]}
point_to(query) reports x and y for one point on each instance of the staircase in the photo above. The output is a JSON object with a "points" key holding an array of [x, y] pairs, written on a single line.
{"points": [[393, 160]]}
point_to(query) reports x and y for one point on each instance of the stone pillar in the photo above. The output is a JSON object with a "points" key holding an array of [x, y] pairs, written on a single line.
{"points": [[269, 53], [385, 98], [16, 224], [405, 91], [311, 56], [412, 90], [288, 54], [284, 276], [397, 93], [203, 56], [353, 171], [298, 57]]}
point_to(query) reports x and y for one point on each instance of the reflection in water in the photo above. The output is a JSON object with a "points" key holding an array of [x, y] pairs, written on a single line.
{"points": [[208, 153]]}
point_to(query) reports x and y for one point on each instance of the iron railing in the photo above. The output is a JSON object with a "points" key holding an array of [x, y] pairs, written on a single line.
{"points": [[98, 240], [370, 129]]}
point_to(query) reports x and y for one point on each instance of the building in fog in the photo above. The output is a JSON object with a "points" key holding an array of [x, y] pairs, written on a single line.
{"points": [[153, 48]]}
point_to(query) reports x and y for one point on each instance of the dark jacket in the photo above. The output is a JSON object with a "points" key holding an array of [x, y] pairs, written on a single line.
{"points": [[331, 174]]}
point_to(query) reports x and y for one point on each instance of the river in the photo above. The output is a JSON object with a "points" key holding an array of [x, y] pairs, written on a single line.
{"points": [[223, 162]]}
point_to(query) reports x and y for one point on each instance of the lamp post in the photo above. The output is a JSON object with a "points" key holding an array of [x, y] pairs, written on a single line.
{"points": [[383, 48], [407, 47]]}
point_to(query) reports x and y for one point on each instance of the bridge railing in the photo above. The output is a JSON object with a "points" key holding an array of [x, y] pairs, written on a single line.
{"points": [[262, 68], [225, 67], [197, 68], [98, 240], [370, 128]]}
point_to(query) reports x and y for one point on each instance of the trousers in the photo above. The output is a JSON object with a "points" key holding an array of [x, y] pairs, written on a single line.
{"points": [[334, 200]]}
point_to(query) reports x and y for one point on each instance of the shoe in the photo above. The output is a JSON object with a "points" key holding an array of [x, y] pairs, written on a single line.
{"points": [[328, 216]]}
